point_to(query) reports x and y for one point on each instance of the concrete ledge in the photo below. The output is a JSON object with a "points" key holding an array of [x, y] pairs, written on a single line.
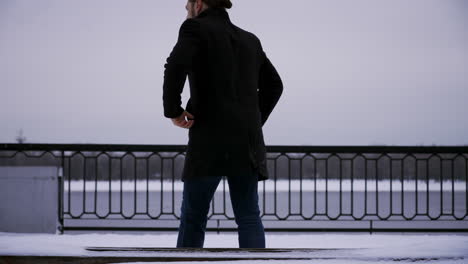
{"points": [[29, 199], [118, 259], [108, 260], [101, 255]]}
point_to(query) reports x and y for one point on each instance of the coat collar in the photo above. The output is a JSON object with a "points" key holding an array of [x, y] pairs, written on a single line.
{"points": [[210, 11]]}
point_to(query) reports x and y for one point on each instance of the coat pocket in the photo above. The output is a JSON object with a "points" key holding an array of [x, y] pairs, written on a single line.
{"points": [[257, 151]]}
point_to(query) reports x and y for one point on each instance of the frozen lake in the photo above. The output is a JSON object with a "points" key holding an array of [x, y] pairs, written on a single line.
{"points": [[298, 200]]}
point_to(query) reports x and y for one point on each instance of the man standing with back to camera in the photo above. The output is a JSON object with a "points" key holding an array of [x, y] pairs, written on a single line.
{"points": [[233, 89]]}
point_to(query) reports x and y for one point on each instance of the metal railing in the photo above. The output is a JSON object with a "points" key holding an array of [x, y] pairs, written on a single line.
{"points": [[311, 188]]}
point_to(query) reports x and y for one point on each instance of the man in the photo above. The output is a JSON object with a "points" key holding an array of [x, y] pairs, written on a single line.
{"points": [[233, 90]]}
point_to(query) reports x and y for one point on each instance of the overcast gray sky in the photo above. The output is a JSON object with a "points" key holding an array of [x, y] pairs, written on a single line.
{"points": [[355, 72]]}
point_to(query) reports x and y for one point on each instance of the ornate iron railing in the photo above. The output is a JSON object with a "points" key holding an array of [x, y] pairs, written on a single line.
{"points": [[311, 188]]}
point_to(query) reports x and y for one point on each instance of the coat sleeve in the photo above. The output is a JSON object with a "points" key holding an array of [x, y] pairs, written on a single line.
{"points": [[270, 87], [177, 66]]}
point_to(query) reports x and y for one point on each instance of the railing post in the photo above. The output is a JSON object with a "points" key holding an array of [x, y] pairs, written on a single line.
{"points": [[60, 193]]}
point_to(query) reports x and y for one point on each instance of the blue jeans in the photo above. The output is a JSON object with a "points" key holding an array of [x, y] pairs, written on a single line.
{"points": [[197, 196]]}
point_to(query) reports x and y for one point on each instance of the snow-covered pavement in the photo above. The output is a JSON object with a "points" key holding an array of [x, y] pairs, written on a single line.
{"points": [[351, 248]]}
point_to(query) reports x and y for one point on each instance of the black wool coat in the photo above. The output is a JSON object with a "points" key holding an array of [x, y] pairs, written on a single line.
{"points": [[233, 90]]}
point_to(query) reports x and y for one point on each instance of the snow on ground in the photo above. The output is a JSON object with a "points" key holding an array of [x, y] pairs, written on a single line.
{"points": [[356, 248]]}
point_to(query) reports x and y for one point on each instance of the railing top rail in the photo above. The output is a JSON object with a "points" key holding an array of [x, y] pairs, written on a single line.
{"points": [[270, 148]]}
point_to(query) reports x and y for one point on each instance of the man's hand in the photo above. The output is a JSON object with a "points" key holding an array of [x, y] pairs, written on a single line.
{"points": [[181, 122]]}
